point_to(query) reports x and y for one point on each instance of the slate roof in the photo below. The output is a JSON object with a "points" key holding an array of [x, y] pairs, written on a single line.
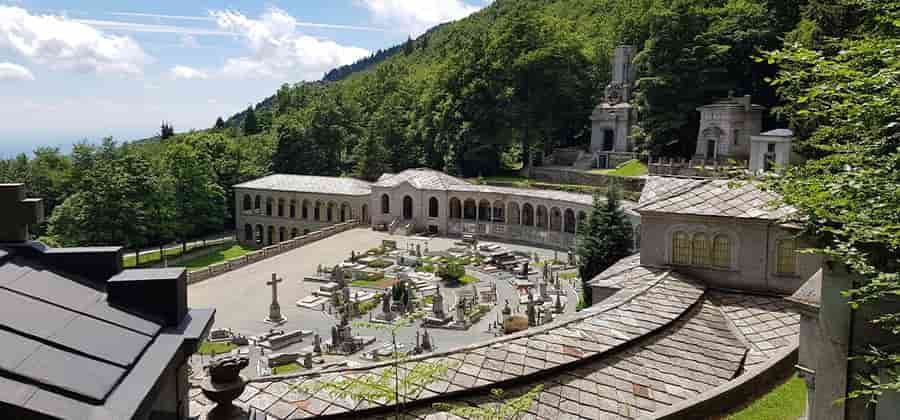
{"points": [[709, 197], [661, 340], [309, 184], [778, 132], [421, 178], [67, 352], [809, 295]]}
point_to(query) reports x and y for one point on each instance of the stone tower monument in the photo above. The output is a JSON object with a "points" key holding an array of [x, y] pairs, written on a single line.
{"points": [[611, 121]]}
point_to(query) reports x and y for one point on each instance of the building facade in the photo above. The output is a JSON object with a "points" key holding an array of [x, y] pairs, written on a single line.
{"points": [[726, 127], [279, 207]]}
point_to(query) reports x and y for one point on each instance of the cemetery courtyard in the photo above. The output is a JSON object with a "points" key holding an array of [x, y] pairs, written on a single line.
{"points": [[242, 298]]}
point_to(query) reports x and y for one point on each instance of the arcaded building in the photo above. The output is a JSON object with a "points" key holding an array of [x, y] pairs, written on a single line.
{"points": [[278, 207]]}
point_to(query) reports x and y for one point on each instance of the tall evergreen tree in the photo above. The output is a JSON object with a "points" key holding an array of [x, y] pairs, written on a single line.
{"points": [[220, 124], [604, 238], [166, 130], [251, 124]]}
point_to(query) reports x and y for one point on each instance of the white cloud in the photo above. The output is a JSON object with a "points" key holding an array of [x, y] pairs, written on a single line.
{"points": [[417, 16], [66, 44], [278, 50], [10, 71], [187, 73], [211, 18]]}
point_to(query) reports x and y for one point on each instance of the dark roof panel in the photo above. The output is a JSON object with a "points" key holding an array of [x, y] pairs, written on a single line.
{"points": [[116, 316], [52, 287], [76, 374], [102, 340], [15, 349]]}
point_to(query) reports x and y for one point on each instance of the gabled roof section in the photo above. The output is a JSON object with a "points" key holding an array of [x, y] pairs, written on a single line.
{"points": [[421, 178], [309, 184], [710, 197]]}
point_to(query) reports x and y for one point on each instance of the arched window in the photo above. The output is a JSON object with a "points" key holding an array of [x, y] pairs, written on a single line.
{"points": [[304, 212], [282, 233], [345, 212], [248, 204], [257, 202], [271, 235], [259, 234], [248, 231], [681, 248], [499, 215], [555, 219], [385, 204], [432, 207], [700, 250], [407, 208], [268, 207], [293, 209], [455, 208], [317, 211], [294, 233], [330, 211], [569, 221], [469, 209], [786, 257], [365, 213], [527, 215], [541, 216], [514, 214], [484, 210], [722, 251]]}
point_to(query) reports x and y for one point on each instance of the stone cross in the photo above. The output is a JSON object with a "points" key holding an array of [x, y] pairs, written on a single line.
{"points": [[18, 213], [274, 307]]}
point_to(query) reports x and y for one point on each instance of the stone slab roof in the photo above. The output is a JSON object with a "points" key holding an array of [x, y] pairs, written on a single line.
{"points": [[809, 295], [710, 197], [309, 184], [421, 178]]}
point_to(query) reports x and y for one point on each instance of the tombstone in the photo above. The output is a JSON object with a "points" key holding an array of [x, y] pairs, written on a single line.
{"points": [[419, 250], [532, 319], [317, 344], [558, 305], [275, 316], [426, 341], [352, 256], [507, 311], [461, 311], [437, 304], [544, 295], [308, 361], [281, 359], [571, 257], [548, 315], [337, 276], [525, 268]]}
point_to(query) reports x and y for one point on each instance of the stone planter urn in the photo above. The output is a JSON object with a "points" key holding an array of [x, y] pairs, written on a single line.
{"points": [[224, 384]]}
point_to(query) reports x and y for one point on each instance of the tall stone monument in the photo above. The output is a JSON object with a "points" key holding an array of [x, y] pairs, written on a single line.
{"points": [[275, 316], [612, 120]]}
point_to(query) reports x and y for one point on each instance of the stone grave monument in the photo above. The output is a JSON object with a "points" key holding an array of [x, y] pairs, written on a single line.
{"points": [[275, 316]]}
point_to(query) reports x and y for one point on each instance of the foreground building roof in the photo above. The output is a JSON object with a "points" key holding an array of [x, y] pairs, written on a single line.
{"points": [[662, 342], [309, 184], [710, 197]]}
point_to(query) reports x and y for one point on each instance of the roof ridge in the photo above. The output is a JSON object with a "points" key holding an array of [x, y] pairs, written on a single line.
{"points": [[676, 191]]}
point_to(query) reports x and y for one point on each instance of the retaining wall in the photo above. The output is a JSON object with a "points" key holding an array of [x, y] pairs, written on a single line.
{"points": [[568, 176], [267, 252]]}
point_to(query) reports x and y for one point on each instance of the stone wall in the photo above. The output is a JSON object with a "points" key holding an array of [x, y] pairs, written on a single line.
{"points": [[566, 176], [267, 252]]}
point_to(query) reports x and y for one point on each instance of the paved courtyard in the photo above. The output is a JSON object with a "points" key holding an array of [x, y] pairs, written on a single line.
{"points": [[241, 297]]}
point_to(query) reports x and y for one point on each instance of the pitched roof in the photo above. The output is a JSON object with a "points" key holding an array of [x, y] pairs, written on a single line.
{"points": [[67, 351], [809, 295], [710, 197], [309, 184], [421, 178]]}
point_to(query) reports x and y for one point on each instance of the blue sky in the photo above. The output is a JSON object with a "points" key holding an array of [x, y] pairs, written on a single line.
{"points": [[90, 69]]}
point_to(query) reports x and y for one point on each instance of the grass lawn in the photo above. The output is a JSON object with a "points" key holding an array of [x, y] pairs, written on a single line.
{"points": [[216, 257], [288, 368], [378, 283], [468, 279], [208, 348], [786, 402], [569, 275], [152, 257], [631, 168]]}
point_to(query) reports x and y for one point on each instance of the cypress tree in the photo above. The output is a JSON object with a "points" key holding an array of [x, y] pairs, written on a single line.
{"points": [[251, 125], [603, 239]]}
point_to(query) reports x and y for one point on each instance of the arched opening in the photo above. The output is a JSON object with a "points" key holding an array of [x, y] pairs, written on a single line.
{"points": [[541, 217], [257, 203], [569, 221], [271, 235], [365, 213], [305, 232], [248, 232], [304, 212], [345, 212], [407, 208], [469, 209], [317, 211], [259, 235], [385, 204], [484, 210], [248, 203], [455, 208], [527, 215], [681, 248], [280, 207], [700, 250], [293, 209], [499, 215], [294, 233], [330, 211], [555, 219], [282, 234], [269, 203], [721, 251], [513, 212], [433, 207]]}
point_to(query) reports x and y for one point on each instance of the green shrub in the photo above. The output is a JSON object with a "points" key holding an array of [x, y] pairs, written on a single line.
{"points": [[451, 272], [379, 263]]}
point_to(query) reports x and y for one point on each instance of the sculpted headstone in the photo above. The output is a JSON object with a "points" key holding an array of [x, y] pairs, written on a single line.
{"points": [[275, 315], [224, 384]]}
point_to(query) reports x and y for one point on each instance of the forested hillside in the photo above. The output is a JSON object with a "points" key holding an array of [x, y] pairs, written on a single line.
{"points": [[484, 94]]}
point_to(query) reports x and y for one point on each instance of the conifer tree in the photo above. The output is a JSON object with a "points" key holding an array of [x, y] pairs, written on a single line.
{"points": [[220, 124], [251, 125], [604, 238]]}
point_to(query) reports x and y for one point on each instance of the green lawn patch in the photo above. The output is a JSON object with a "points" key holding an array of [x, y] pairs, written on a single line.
{"points": [[633, 167], [209, 348], [786, 402], [221, 255], [468, 279], [569, 275], [288, 368]]}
